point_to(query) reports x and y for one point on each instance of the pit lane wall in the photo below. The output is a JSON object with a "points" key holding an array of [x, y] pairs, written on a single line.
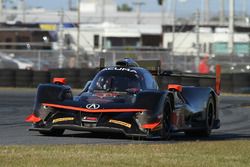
{"points": [[76, 78]]}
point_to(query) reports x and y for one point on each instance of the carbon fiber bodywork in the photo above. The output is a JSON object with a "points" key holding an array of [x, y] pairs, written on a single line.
{"points": [[147, 112], [122, 116]]}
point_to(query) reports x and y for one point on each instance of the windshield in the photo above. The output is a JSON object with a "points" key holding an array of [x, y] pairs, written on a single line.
{"points": [[115, 81]]}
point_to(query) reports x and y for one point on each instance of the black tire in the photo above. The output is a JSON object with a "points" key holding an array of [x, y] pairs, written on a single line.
{"points": [[210, 115], [53, 132], [209, 121], [165, 130]]}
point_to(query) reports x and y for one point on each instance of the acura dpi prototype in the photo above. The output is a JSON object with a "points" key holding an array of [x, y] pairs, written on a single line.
{"points": [[125, 98]]}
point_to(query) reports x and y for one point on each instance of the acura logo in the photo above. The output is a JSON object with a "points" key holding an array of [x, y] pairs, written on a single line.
{"points": [[93, 106]]}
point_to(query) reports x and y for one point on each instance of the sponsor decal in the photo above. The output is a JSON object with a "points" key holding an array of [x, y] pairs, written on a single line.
{"points": [[63, 119], [121, 69], [120, 123], [93, 106]]}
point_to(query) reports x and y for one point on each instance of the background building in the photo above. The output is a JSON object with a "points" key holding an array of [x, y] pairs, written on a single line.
{"points": [[97, 27]]}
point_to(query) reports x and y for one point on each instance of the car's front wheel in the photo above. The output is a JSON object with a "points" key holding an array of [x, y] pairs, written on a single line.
{"points": [[165, 130]]}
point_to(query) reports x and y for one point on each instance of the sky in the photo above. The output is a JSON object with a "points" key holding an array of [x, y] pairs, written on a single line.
{"points": [[182, 8]]}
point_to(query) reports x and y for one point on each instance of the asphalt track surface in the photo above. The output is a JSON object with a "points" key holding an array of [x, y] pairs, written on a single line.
{"points": [[16, 104]]}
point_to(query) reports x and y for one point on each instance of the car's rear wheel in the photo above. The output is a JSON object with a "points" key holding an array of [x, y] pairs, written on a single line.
{"points": [[210, 114], [209, 120], [165, 130], [53, 132]]}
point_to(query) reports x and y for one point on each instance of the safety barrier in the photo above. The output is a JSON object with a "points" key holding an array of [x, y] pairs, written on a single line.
{"points": [[7, 77], [76, 78], [241, 83]]}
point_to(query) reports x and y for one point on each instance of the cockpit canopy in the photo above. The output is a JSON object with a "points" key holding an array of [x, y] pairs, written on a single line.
{"points": [[116, 79]]}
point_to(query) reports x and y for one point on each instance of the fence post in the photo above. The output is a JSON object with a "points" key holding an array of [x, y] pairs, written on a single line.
{"points": [[39, 60]]}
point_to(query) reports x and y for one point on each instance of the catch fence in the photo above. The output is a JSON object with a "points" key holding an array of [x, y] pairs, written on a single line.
{"points": [[43, 60]]}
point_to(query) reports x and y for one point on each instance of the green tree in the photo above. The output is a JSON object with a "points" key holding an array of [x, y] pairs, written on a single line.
{"points": [[160, 2], [124, 7]]}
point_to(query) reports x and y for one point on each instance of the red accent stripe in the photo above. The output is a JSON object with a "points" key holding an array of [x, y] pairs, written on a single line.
{"points": [[218, 79], [94, 111], [32, 118], [151, 126]]}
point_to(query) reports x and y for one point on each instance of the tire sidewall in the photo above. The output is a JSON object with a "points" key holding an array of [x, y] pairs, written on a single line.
{"points": [[165, 130], [210, 111]]}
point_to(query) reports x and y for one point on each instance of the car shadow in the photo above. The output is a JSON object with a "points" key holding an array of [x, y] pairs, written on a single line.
{"points": [[97, 135], [212, 137], [177, 137]]}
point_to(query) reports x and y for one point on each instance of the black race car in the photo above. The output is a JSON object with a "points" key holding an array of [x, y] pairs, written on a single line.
{"points": [[126, 99]]}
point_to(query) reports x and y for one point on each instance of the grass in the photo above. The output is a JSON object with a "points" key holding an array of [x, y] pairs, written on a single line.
{"points": [[219, 153]]}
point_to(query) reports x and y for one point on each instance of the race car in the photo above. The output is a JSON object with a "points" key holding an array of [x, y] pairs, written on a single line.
{"points": [[125, 98]]}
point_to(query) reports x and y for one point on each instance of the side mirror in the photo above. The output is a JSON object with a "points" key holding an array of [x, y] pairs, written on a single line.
{"points": [[175, 87], [59, 81]]}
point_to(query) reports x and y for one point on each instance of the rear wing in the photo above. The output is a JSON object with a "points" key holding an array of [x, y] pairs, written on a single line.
{"points": [[154, 66], [165, 78], [187, 79]]}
